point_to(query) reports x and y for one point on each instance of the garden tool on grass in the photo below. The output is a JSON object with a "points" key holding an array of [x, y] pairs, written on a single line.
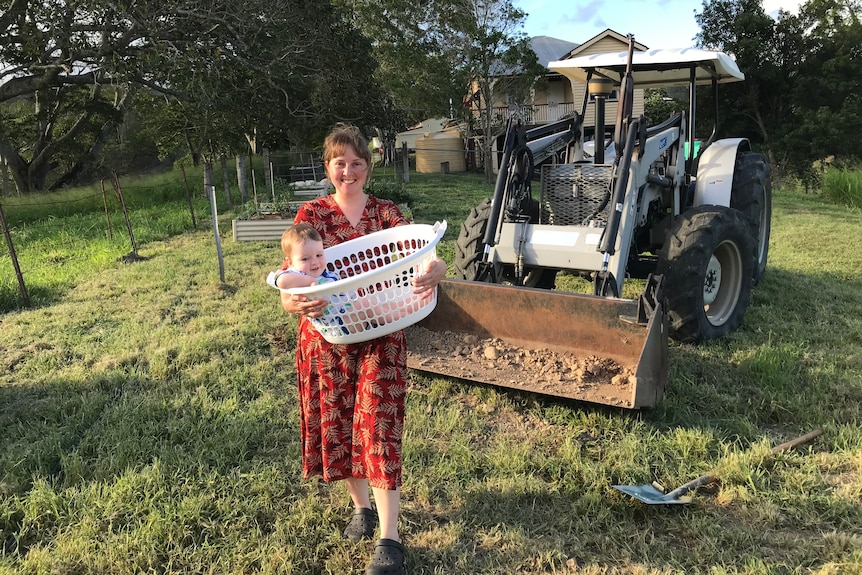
{"points": [[652, 495]]}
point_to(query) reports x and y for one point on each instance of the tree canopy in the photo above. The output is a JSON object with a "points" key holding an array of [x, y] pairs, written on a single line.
{"points": [[488, 44], [801, 98], [69, 69]]}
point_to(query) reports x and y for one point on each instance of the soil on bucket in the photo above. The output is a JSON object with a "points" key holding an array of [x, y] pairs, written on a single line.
{"points": [[465, 356]]}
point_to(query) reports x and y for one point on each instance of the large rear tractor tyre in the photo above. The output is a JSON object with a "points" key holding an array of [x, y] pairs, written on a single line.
{"points": [[470, 247], [707, 264], [751, 194]]}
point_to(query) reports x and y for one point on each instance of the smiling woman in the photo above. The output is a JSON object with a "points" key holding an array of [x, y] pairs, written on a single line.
{"points": [[352, 396]]}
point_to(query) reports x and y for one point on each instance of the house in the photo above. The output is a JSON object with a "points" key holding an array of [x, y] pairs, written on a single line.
{"points": [[556, 97]]}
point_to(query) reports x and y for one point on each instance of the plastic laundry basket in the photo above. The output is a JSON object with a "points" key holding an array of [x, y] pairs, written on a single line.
{"points": [[375, 295]]}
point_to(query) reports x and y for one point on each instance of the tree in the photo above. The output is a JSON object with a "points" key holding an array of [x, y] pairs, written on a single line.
{"points": [[743, 29], [225, 69], [488, 44], [800, 100], [659, 105], [827, 114], [412, 61]]}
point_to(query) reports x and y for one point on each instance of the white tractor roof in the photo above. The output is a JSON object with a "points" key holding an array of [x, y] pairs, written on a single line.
{"points": [[654, 68]]}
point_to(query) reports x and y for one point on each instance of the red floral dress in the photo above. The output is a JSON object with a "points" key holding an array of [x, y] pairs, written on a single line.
{"points": [[351, 396]]}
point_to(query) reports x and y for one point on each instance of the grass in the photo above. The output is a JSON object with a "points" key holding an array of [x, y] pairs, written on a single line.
{"points": [[148, 423], [843, 186]]}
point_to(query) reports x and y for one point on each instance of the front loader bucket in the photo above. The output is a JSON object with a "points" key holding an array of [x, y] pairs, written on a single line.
{"points": [[600, 350]]}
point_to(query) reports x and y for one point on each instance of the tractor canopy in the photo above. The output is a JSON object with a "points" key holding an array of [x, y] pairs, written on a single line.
{"points": [[654, 68]]}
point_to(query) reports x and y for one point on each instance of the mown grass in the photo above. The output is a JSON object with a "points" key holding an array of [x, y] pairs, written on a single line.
{"points": [[148, 423]]}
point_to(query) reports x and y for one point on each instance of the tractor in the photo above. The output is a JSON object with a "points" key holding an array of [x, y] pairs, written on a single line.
{"points": [[624, 199]]}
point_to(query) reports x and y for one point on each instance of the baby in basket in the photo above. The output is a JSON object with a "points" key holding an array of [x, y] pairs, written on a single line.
{"points": [[305, 265], [304, 259]]}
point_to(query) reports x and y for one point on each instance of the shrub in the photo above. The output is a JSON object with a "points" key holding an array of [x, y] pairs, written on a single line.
{"points": [[388, 190], [843, 186]]}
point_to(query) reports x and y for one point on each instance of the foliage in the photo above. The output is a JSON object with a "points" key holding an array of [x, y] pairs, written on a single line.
{"points": [[225, 72], [149, 423], [388, 189], [413, 65], [659, 106], [800, 100], [430, 53], [488, 43], [843, 186]]}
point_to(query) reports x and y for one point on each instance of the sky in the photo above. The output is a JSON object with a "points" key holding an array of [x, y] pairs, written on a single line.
{"points": [[654, 23]]}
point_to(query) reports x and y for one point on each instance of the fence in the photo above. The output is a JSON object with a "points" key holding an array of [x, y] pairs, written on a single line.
{"points": [[50, 240]]}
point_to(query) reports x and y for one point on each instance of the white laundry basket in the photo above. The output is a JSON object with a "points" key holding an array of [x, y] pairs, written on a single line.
{"points": [[375, 295]]}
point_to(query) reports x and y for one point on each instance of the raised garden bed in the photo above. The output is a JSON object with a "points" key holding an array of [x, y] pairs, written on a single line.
{"points": [[270, 219], [260, 229]]}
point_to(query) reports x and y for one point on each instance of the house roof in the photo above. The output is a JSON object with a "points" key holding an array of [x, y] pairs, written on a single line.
{"points": [[607, 33], [550, 49]]}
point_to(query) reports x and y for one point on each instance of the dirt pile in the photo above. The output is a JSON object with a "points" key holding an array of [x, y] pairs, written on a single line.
{"points": [[545, 371]]}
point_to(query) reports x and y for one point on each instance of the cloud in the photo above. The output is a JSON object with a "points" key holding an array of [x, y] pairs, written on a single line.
{"points": [[587, 12], [772, 7]]}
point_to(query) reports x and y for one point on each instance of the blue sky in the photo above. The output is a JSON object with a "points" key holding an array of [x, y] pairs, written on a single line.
{"points": [[655, 23]]}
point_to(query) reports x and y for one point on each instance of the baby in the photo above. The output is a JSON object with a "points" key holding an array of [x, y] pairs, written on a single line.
{"points": [[305, 265], [304, 259]]}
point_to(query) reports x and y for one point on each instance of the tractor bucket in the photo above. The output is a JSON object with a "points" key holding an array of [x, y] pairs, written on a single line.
{"points": [[600, 350]]}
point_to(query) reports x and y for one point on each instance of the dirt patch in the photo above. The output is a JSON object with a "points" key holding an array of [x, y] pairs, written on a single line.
{"points": [[465, 356]]}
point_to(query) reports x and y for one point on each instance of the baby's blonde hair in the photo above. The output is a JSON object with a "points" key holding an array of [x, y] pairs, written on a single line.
{"points": [[298, 234]]}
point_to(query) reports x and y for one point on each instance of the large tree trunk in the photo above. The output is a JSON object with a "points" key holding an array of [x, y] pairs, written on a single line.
{"points": [[70, 178], [17, 166]]}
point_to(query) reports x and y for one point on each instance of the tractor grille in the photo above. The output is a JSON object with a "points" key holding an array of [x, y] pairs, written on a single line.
{"points": [[573, 194]]}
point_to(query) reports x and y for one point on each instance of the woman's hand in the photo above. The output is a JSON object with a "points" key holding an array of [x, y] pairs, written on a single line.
{"points": [[301, 305], [426, 283]]}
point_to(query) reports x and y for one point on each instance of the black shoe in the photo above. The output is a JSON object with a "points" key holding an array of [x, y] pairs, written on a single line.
{"points": [[388, 558], [362, 524]]}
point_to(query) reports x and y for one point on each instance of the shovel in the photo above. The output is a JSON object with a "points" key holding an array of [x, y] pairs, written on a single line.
{"points": [[652, 495]]}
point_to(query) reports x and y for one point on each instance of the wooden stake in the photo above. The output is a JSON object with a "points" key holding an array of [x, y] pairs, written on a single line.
{"points": [[226, 179], [134, 255], [241, 179], [189, 196], [22, 287]]}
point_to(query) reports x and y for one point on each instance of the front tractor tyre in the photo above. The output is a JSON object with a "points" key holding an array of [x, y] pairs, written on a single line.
{"points": [[708, 266]]}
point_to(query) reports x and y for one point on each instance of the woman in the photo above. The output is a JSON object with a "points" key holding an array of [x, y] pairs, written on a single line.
{"points": [[352, 396]]}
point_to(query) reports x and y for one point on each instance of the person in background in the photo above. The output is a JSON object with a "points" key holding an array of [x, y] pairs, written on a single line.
{"points": [[352, 396]]}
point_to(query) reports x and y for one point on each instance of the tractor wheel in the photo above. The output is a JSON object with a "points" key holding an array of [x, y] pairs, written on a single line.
{"points": [[469, 245], [751, 194], [707, 266], [470, 248]]}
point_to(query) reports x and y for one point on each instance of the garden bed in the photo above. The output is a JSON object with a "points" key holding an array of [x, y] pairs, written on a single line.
{"points": [[261, 228]]}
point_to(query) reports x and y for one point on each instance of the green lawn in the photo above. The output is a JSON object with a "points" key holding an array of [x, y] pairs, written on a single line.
{"points": [[148, 423]]}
